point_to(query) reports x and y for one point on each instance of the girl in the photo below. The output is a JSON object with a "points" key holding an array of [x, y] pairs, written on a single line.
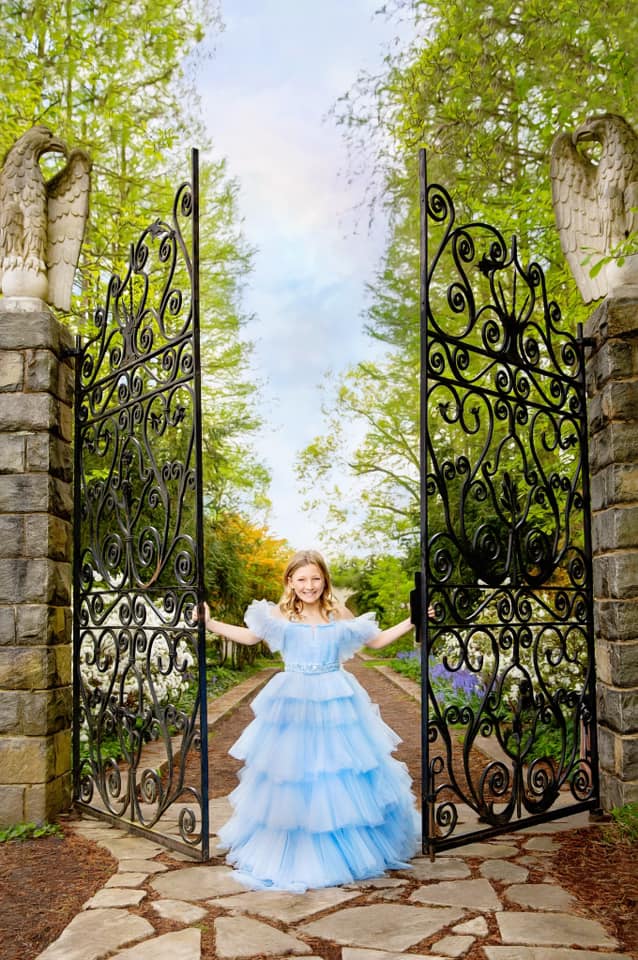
{"points": [[320, 801]]}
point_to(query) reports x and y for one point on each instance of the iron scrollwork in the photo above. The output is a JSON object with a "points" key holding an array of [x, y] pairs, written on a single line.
{"points": [[508, 660], [139, 661]]}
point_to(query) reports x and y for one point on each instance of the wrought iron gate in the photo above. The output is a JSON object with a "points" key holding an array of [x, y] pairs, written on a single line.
{"points": [[509, 733], [140, 731]]}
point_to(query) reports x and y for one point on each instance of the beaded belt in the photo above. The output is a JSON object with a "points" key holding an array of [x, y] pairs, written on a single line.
{"points": [[313, 667]]}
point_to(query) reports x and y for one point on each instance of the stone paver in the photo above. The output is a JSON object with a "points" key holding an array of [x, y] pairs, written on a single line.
{"points": [[382, 926], [287, 907], [241, 937], [141, 866], [494, 952], [95, 934], [541, 845], [361, 953], [487, 851], [376, 883], [443, 868], [179, 910], [472, 894], [556, 929], [197, 883], [180, 945], [130, 848], [504, 871], [110, 897], [454, 946], [126, 880], [476, 927], [453, 900], [540, 896]]}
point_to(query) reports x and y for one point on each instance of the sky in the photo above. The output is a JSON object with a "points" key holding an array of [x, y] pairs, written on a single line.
{"points": [[276, 71]]}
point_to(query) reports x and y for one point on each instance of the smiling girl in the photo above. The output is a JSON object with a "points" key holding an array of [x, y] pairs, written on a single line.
{"points": [[321, 801]]}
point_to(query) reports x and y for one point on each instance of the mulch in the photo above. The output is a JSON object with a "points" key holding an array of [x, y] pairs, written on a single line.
{"points": [[45, 882]]}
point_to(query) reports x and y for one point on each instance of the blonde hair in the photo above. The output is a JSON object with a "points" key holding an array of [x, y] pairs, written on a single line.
{"points": [[290, 604]]}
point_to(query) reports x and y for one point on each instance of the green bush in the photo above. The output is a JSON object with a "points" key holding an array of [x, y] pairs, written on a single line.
{"points": [[30, 831]]}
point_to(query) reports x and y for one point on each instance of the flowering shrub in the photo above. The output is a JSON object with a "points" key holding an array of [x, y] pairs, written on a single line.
{"points": [[143, 668]]}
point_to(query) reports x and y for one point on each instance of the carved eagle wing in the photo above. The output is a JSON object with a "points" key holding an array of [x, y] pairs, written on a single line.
{"points": [[576, 208], [68, 209]]}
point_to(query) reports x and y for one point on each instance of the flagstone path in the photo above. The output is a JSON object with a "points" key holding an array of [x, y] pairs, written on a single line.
{"points": [[494, 900]]}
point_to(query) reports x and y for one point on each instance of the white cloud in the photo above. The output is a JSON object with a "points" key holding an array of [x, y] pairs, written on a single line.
{"points": [[278, 68]]}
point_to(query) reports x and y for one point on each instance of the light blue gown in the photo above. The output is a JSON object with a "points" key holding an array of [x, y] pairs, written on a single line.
{"points": [[320, 801]]}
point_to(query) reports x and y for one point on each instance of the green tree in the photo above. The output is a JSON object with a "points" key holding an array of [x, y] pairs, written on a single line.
{"points": [[485, 88], [118, 79]]}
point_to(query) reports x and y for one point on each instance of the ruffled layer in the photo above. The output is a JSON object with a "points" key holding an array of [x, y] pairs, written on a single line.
{"points": [[329, 802], [296, 859], [295, 753]]}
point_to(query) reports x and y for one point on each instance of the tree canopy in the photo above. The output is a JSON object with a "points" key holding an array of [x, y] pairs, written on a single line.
{"points": [[485, 88], [119, 80]]}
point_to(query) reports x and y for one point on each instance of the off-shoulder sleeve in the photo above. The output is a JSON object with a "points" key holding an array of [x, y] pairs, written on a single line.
{"points": [[261, 619], [355, 633]]}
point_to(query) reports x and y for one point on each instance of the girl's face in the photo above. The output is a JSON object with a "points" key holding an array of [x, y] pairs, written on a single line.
{"points": [[307, 582]]}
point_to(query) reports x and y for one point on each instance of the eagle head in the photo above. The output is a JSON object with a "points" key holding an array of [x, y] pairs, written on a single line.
{"points": [[599, 128]]}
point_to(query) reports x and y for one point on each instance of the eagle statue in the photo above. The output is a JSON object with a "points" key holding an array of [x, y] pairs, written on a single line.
{"points": [[595, 201], [42, 222]]}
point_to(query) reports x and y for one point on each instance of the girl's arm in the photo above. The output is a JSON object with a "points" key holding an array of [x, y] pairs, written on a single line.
{"points": [[229, 630], [390, 635]]}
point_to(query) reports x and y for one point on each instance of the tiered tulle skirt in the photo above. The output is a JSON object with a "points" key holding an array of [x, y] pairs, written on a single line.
{"points": [[320, 801]]}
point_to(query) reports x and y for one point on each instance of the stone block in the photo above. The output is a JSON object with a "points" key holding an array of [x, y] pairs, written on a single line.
{"points": [[47, 452], [64, 421], [616, 620], [41, 373], [619, 400], [614, 528], [48, 536], [11, 370], [618, 708], [616, 317], [616, 360], [28, 493], [620, 663], [61, 498], [615, 443], [28, 324], [35, 668], [7, 626], [12, 452], [46, 711], [615, 792], [10, 707], [35, 581], [615, 484], [26, 759], [44, 801], [42, 624], [29, 760], [616, 575], [11, 804], [12, 536], [28, 411], [46, 373]]}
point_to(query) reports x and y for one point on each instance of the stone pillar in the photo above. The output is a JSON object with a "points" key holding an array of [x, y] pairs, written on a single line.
{"points": [[36, 393], [612, 378]]}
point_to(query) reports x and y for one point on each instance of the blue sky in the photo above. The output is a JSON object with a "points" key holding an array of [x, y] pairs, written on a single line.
{"points": [[277, 69]]}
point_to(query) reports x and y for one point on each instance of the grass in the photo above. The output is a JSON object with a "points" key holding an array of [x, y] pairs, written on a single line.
{"points": [[624, 825]]}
